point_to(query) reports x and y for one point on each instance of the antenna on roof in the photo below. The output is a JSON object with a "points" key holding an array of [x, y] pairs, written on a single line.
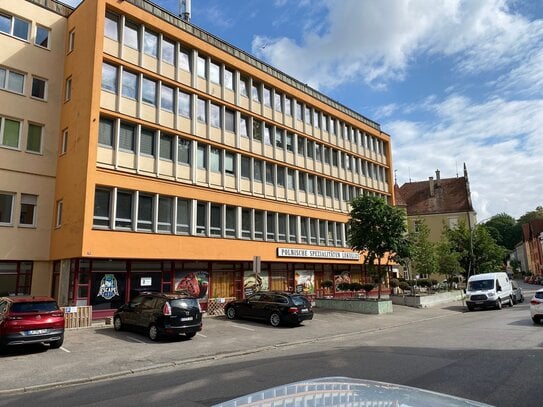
{"points": [[456, 163], [184, 10], [409, 171]]}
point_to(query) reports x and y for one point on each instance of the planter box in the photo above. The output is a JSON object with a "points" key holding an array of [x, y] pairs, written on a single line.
{"points": [[361, 306], [425, 301]]}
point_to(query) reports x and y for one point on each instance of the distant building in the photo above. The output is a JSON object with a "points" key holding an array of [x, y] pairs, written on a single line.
{"points": [[438, 202], [532, 236]]}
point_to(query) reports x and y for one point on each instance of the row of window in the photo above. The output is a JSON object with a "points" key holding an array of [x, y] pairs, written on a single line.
{"points": [[27, 212], [11, 132], [154, 44], [14, 81], [20, 28], [149, 142], [144, 212]]}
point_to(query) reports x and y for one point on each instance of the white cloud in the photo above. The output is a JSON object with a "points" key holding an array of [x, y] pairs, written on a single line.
{"points": [[377, 40], [500, 141]]}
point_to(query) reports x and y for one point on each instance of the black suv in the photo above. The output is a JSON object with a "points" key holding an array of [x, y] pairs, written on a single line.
{"points": [[160, 314], [276, 307]]}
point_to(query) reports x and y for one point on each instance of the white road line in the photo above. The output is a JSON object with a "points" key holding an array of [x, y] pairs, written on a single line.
{"points": [[243, 327], [134, 339], [64, 349], [203, 336]]}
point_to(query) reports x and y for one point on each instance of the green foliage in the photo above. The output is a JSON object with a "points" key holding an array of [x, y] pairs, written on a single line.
{"points": [[375, 229], [505, 230], [448, 259], [423, 257], [356, 286], [368, 287], [477, 251], [532, 215], [344, 286], [394, 282], [404, 285]]}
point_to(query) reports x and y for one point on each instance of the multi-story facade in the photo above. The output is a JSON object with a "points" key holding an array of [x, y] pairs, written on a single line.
{"points": [[184, 163]]}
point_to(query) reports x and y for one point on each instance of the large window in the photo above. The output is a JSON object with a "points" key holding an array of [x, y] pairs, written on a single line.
{"points": [[130, 85], [201, 156], [131, 35], [145, 212], [215, 162], [184, 59], [14, 26], [102, 202], [42, 37], [215, 220], [166, 146], [201, 68], [166, 98], [10, 132], [183, 216], [6, 208], [165, 214], [168, 51], [229, 120], [109, 77], [149, 91], [34, 137], [150, 43], [215, 115], [245, 166], [183, 107], [111, 28], [126, 137], [201, 113], [147, 142], [183, 151], [10, 80], [124, 209], [229, 163], [230, 221], [214, 73], [39, 88], [105, 132]]}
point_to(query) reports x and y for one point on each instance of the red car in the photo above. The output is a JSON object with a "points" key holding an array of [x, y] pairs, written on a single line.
{"points": [[28, 320]]}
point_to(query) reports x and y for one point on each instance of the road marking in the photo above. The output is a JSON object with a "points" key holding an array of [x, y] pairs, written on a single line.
{"points": [[134, 339], [243, 327], [203, 336], [64, 349]]}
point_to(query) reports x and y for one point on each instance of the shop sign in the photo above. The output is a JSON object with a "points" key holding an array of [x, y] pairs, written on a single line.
{"points": [[146, 282], [70, 310], [108, 287], [317, 254]]}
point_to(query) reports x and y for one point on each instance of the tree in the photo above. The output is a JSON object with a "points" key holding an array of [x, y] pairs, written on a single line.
{"points": [[505, 230], [375, 230], [448, 260], [477, 250], [532, 215], [422, 251]]}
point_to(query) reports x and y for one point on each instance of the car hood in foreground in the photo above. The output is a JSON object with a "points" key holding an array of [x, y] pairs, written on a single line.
{"points": [[341, 391]]}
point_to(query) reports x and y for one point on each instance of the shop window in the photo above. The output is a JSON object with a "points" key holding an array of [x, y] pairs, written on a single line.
{"points": [[223, 284], [15, 278]]}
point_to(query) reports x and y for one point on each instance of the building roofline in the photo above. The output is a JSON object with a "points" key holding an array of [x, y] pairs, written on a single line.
{"points": [[169, 17], [54, 6]]}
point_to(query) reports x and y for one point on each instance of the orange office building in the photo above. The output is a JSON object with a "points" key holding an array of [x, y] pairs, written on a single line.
{"points": [[169, 159]]}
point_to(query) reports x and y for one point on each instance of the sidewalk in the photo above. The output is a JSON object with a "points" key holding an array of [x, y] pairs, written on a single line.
{"points": [[98, 352]]}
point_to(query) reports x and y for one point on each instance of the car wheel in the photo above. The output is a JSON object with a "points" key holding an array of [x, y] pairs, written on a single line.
{"points": [[118, 324], [511, 301], [190, 334], [153, 333], [499, 303], [58, 343], [231, 313], [275, 319]]}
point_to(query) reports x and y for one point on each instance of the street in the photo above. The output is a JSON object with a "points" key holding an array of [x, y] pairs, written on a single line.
{"points": [[489, 356]]}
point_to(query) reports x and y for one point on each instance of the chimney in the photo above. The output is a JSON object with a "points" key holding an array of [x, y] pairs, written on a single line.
{"points": [[431, 181], [438, 179]]}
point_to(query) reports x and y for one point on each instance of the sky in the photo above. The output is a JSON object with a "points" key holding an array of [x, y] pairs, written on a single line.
{"points": [[453, 82]]}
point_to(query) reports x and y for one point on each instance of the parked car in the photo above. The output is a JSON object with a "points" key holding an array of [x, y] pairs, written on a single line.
{"points": [[28, 320], [159, 314], [489, 290], [518, 295], [536, 306], [276, 307]]}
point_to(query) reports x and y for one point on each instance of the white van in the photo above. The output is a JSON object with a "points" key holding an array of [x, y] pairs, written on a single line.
{"points": [[489, 290]]}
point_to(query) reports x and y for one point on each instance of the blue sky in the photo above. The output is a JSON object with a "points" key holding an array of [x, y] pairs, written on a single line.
{"points": [[452, 82]]}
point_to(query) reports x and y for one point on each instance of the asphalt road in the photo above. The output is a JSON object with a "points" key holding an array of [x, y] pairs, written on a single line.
{"points": [[490, 356]]}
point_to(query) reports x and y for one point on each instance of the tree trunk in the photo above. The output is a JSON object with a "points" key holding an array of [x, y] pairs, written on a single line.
{"points": [[380, 279]]}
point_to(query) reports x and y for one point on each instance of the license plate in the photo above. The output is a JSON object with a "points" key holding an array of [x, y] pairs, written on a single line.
{"points": [[305, 310], [187, 319], [37, 332], [479, 302]]}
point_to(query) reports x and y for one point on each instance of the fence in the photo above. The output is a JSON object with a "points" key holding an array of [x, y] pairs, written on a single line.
{"points": [[215, 306], [77, 317]]}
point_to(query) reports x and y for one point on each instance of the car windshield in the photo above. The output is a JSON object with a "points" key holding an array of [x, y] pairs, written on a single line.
{"points": [[38, 306], [481, 285], [298, 300], [539, 295]]}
